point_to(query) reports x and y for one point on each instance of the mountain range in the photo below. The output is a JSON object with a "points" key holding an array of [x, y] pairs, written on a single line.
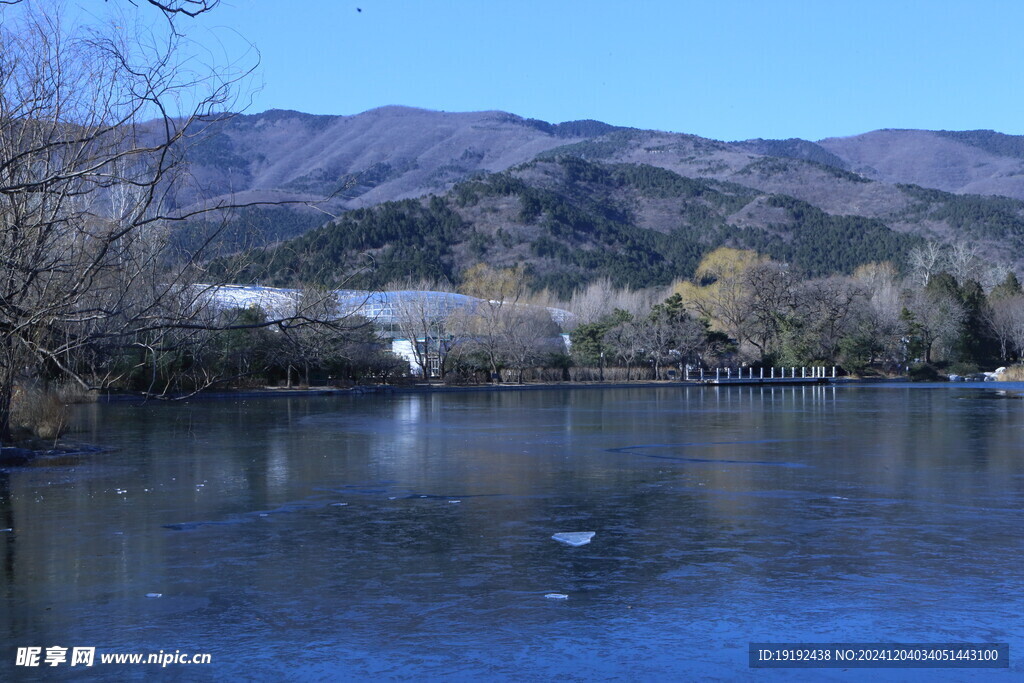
{"points": [[665, 194]]}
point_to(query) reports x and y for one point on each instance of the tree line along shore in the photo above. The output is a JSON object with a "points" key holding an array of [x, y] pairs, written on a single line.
{"points": [[739, 310], [101, 288]]}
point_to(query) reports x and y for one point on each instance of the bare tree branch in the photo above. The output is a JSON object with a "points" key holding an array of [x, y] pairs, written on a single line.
{"points": [[94, 126]]}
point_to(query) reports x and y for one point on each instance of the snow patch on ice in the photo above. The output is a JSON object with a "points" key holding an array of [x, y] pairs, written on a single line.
{"points": [[574, 538]]}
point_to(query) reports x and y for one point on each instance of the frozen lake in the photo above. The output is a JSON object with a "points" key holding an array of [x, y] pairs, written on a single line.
{"points": [[410, 536]]}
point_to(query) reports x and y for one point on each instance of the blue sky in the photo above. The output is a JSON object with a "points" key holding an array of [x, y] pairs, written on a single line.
{"points": [[725, 69]]}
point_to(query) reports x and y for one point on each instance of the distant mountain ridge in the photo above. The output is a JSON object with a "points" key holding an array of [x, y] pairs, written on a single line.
{"points": [[398, 152], [964, 162], [382, 154], [793, 148], [944, 185]]}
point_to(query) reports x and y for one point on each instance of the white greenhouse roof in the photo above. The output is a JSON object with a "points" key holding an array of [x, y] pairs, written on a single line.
{"points": [[381, 307]]}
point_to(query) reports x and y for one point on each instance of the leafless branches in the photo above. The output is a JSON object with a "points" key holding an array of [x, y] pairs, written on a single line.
{"points": [[189, 8], [93, 127]]}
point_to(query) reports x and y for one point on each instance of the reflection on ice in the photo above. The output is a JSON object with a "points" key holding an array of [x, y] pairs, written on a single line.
{"points": [[903, 514]]}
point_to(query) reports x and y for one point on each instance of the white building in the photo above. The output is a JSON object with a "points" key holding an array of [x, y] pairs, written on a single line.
{"points": [[386, 310]]}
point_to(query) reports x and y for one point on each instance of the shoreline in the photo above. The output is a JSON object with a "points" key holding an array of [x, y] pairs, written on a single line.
{"points": [[18, 455], [276, 392]]}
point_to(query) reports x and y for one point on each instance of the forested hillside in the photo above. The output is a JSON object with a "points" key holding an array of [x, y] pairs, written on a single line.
{"points": [[572, 221], [640, 206]]}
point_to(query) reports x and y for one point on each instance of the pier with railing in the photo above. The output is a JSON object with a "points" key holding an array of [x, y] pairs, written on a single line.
{"points": [[817, 374]]}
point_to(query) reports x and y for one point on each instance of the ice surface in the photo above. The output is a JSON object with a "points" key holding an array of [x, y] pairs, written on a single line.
{"points": [[574, 538]]}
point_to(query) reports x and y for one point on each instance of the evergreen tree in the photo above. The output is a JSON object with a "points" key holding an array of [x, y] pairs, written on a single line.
{"points": [[588, 343], [1009, 287]]}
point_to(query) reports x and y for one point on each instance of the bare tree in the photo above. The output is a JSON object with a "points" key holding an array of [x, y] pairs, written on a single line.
{"points": [[628, 342], [827, 307], [772, 298], [93, 125], [188, 8], [601, 298], [530, 335], [671, 341], [488, 329], [1006, 319], [880, 328], [963, 260], [965, 263], [926, 261], [937, 319], [670, 336], [424, 314], [312, 333]]}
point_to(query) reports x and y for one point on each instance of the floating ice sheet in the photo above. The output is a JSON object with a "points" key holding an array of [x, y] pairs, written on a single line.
{"points": [[574, 538]]}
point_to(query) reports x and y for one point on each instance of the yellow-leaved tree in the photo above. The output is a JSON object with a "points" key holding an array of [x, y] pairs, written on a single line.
{"points": [[720, 291], [503, 329]]}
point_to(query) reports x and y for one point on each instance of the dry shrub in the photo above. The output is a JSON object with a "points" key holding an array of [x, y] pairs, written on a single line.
{"points": [[38, 412], [1014, 373], [73, 392]]}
